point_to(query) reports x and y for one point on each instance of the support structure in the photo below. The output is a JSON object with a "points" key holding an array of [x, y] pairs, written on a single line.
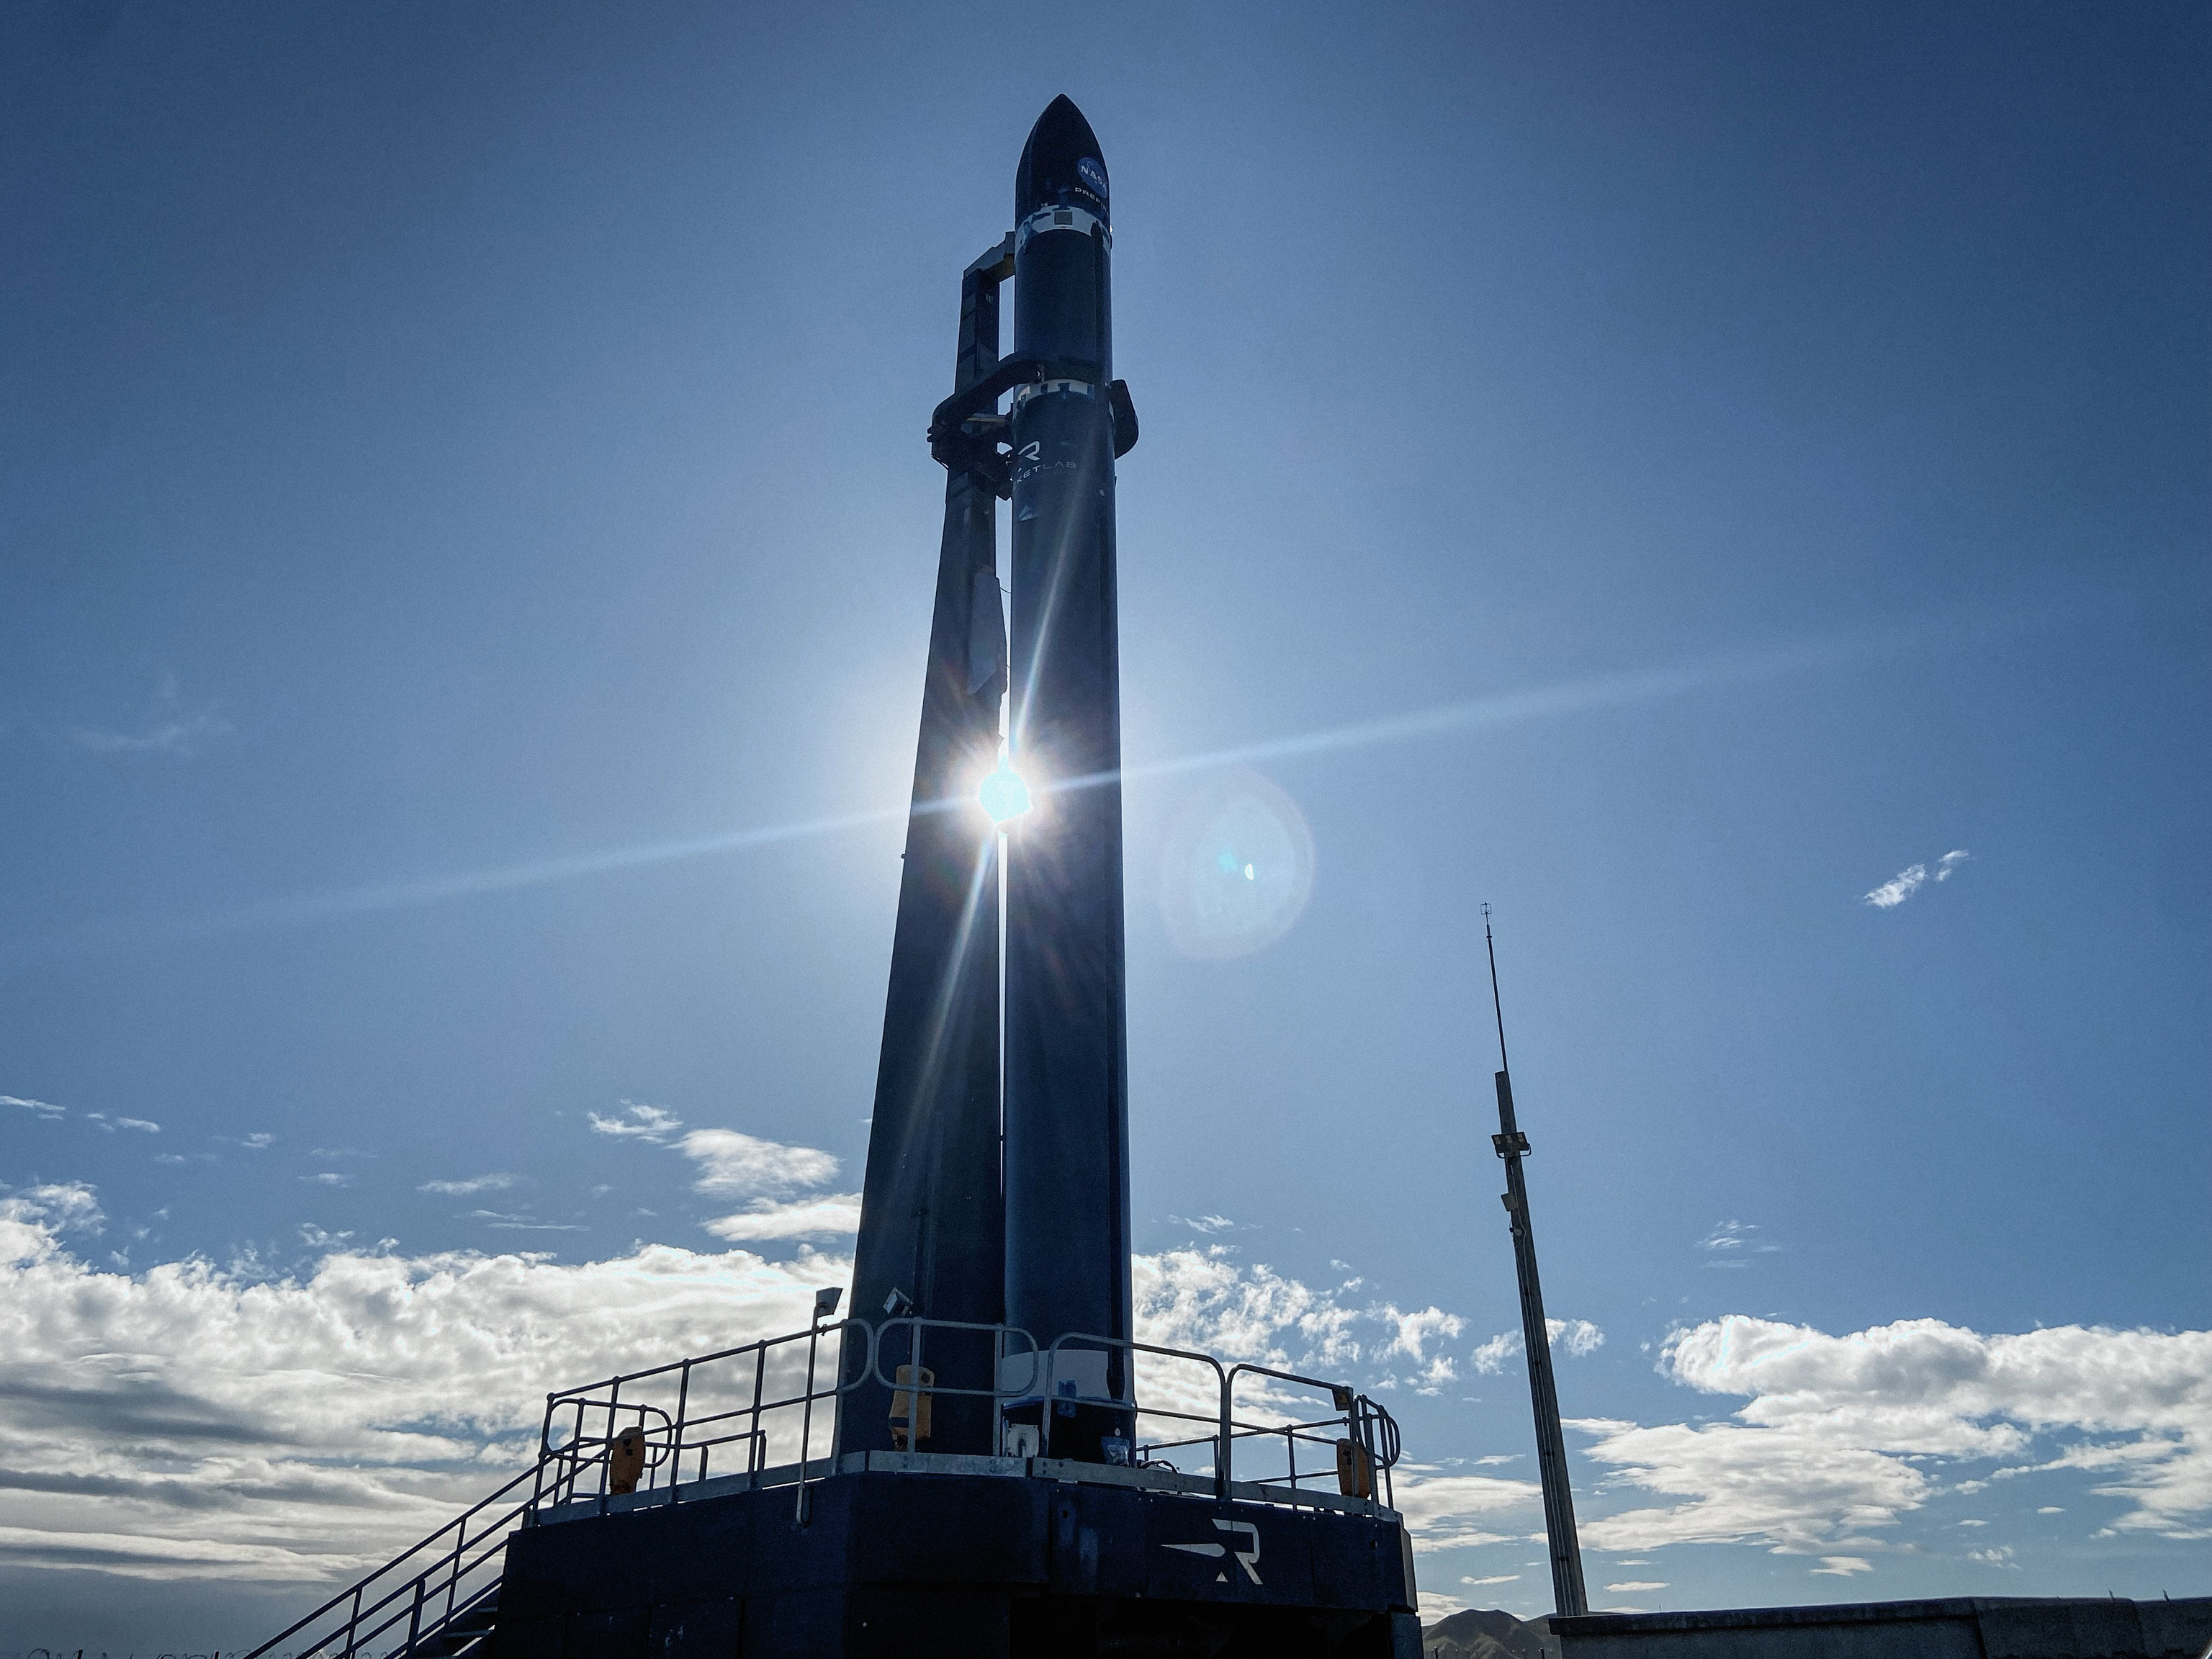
{"points": [[1568, 1596], [933, 1238]]}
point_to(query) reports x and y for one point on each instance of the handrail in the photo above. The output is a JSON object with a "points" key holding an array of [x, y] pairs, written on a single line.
{"points": [[917, 1324]]}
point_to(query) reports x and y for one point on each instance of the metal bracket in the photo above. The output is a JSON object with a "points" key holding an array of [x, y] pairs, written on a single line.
{"points": [[966, 431], [1516, 1145]]}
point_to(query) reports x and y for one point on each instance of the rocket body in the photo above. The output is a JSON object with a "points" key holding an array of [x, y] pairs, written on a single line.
{"points": [[1065, 1046]]}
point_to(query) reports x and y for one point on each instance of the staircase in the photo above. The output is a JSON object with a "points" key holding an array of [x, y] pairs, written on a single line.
{"points": [[437, 1600], [466, 1632]]}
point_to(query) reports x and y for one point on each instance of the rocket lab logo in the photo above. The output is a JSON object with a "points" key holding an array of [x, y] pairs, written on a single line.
{"points": [[1092, 174], [1247, 1557]]}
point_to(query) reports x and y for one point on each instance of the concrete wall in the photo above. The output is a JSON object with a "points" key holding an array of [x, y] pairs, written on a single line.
{"points": [[1975, 1628]]}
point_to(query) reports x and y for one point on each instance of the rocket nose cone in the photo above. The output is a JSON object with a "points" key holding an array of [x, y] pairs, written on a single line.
{"points": [[1060, 164]]}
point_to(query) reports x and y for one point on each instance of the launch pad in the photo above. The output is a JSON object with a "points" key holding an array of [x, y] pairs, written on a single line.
{"points": [[1252, 1516], [696, 1511]]}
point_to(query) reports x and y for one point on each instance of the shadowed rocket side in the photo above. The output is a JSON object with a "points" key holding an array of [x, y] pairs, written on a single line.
{"points": [[932, 1230]]}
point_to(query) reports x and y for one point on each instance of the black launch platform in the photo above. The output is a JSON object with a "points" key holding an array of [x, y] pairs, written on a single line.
{"points": [[914, 1554], [699, 1508]]}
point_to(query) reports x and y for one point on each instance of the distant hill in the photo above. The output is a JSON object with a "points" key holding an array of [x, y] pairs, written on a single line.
{"points": [[1476, 1634]]}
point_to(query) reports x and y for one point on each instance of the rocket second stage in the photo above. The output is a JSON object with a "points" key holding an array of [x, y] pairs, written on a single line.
{"points": [[1067, 1060]]}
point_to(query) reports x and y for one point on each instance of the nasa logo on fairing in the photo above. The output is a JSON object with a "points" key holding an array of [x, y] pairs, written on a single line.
{"points": [[1092, 174]]}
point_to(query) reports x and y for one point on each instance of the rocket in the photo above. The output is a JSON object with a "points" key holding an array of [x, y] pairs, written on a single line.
{"points": [[997, 1190], [1066, 1042]]}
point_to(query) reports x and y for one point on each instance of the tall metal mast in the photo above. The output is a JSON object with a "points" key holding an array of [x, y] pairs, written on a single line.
{"points": [[1568, 1596]]}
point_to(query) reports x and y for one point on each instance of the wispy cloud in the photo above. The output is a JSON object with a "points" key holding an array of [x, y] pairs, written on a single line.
{"points": [[1204, 1223], [110, 1125], [652, 1123], [170, 728], [1631, 1586], [771, 1175], [1842, 1566], [1733, 1243], [1579, 1337], [1912, 879], [798, 1218], [329, 1178], [45, 1109], [498, 1182], [1899, 888], [183, 737]]}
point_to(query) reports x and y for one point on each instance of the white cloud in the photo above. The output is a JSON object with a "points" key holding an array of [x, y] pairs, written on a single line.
{"points": [[1899, 888], [1842, 1566], [1910, 880], [1844, 1434], [31, 1216], [798, 1218], [1500, 1578], [645, 1122], [731, 1161], [1577, 1336], [358, 1406], [110, 1125], [1492, 1357], [1205, 1223], [45, 1109], [329, 1178], [498, 1182], [1411, 1335], [1631, 1586], [1998, 1556], [1457, 1511]]}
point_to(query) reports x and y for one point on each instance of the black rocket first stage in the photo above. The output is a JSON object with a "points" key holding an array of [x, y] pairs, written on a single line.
{"points": [[1036, 1236]]}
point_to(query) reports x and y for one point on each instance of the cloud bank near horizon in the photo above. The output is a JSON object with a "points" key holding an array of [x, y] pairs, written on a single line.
{"points": [[169, 1423]]}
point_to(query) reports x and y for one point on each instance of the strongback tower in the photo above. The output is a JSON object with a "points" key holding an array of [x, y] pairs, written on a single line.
{"points": [[932, 1232]]}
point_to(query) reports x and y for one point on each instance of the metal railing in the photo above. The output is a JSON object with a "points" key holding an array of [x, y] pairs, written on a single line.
{"points": [[760, 1399]]}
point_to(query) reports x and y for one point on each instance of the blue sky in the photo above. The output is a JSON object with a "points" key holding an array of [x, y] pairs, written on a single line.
{"points": [[1662, 472]]}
